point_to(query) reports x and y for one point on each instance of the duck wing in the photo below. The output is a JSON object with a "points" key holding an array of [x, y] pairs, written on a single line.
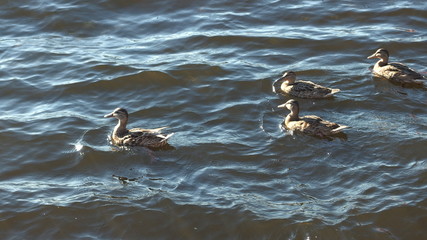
{"points": [[399, 72], [320, 127], [407, 70], [307, 89], [154, 130], [145, 137], [304, 124]]}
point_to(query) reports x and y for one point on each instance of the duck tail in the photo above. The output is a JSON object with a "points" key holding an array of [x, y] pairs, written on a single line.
{"points": [[165, 138], [335, 90], [158, 129], [339, 129]]}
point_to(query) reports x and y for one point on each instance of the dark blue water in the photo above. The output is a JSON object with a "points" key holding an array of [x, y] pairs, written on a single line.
{"points": [[205, 69]]}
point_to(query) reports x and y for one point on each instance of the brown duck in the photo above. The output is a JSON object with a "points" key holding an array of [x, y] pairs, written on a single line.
{"points": [[396, 72], [121, 136], [312, 125], [303, 89]]}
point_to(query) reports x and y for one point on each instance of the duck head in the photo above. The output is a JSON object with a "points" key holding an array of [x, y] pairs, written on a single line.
{"points": [[381, 54], [119, 113], [287, 76], [292, 105]]}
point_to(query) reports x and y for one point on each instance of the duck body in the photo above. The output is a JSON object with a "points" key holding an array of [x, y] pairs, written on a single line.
{"points": [[288, 84], [311, 124], [396, 72], [121, 136], [307, 89], [140, 137]]}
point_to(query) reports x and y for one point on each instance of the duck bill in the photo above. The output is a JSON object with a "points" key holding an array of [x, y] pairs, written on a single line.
{"points": [[372, 56], [109, 115], [282, 105]]}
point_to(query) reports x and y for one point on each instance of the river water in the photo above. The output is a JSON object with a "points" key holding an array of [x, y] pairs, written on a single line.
{"points": [[205, 69]]}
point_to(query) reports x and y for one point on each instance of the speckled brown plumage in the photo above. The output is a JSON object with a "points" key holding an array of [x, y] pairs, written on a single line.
{"points": [[396, 72], [137, 136], [287, 84], [312, 125]]}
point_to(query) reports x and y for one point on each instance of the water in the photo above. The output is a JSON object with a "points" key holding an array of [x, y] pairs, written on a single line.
{"points": [[205, 69]]}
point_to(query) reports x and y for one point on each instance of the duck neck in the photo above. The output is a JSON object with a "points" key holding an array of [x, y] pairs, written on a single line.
{"points": [[290, 81], [383, 61], [120, 129], [293, 116]]}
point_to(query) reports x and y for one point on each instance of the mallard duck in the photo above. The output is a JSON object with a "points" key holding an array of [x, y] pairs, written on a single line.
{"points": [[121, 136], [396, 72], [312, 124], [302, 89]]}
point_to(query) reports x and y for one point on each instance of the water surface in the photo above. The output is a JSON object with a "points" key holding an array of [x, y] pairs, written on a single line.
{"points": [[205, 69]]}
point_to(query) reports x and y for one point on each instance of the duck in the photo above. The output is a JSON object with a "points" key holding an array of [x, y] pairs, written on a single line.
{"points": [[396, 72], [311, 124], [121, 136], [303, 89]]}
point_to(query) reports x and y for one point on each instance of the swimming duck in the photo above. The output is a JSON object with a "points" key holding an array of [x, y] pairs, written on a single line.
{"points": [[312, 125], [121, 136], [397, 72], [300, 88]]}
